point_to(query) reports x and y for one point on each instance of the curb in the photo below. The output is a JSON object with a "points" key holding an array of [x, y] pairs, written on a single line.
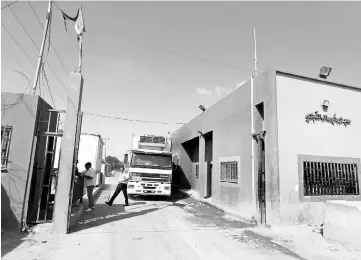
{"points": [[222, 209], [81, 206]]}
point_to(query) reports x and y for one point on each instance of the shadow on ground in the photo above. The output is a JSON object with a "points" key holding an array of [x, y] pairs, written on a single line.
{"points": [[207, 216], [260, 241], [103, 214], [10, 240], [11, 237], [176, 196]]}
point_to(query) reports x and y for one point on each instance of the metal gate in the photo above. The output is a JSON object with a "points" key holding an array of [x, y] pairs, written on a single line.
{"points": [[41, 199]]}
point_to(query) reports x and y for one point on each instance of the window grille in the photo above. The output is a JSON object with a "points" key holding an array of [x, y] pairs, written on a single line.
{"points": [[197, 171], [6, 132], [330, 178], [229, 172]]}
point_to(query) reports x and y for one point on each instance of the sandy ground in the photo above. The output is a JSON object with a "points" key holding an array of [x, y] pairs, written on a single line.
{"points": [[174, 228]]}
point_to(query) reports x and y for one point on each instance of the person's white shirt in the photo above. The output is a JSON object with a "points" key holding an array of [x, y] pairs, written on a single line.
{"points": [[91, 173], [123, 178]]}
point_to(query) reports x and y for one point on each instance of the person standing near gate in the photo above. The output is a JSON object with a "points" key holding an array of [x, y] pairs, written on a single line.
{"points": [[89, 181], [122, 186]]}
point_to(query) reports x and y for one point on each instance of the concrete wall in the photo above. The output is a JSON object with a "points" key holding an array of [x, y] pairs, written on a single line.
{"points": [[341, 222], [230, 121], [22, 118], [297, 97], [264, 91]]}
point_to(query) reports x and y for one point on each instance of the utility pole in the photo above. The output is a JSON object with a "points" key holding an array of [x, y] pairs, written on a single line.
{"points": [[80, 48], [37, 72], [64, 193], [80, 55], [255, 52]]}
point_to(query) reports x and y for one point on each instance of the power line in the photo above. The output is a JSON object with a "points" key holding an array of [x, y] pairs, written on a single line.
{"points": [[20, 99], [133, 120], [51, 69], [27, 33], [8, 4], [62, 63], [47, 83], [18, 44], [17, 61]]}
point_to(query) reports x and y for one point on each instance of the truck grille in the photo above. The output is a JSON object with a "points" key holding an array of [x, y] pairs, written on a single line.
{"points": [[153, 177]]}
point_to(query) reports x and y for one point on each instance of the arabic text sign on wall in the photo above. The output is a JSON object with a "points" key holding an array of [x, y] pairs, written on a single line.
{"points": [[324, 118]]}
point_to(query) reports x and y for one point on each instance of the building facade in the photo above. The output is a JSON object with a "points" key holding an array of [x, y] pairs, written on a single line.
{"points": [[276, 149], [26, 164]]}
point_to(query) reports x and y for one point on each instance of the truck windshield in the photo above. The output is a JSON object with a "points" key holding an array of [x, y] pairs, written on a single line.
{"points": [[152, 160]]}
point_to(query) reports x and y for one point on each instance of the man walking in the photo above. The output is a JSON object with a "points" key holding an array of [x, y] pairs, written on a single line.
{"points": [[89, 181], [122, 186]]}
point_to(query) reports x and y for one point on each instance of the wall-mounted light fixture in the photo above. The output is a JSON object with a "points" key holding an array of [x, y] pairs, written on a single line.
{"points": [[325, 72], [201, 107], [199, 132], [325, 105]]}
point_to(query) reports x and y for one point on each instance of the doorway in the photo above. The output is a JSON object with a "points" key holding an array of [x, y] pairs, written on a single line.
{"points": [[41, 198], [259, 137], [208, 158]]}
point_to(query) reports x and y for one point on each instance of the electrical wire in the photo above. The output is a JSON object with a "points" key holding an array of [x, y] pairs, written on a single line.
{"points": [[56, 52], [134, 120], [17, 43], [26, 31], [9, 4], [47, 83], [17, 61], [51, 69], [4, 107]]}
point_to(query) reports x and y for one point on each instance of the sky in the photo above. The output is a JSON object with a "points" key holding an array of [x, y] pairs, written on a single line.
{"points": [[158, 61]]}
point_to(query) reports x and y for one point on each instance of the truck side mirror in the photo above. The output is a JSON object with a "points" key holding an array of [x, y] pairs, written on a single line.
{"points": [[125, 158]]}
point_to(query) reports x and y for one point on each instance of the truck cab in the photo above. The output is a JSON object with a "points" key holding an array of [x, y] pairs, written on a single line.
{"points": [[150, 166]]}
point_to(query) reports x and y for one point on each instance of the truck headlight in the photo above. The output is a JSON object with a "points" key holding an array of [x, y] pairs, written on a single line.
{"points": [[134, 176]]}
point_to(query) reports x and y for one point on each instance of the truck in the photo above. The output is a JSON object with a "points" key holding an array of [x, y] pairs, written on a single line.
{"points": [[91, 150], [150, 164]]}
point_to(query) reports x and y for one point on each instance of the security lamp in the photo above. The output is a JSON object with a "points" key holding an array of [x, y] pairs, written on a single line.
{"points": [[325, 72], [201, 107], [325, 105]]}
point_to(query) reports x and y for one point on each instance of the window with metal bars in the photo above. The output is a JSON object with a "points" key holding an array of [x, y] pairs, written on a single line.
{"points": [[197, 171], [321, 178], [229, 171], [6, 132]]}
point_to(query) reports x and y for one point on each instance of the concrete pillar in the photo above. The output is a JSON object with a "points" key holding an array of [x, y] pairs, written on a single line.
{"points": [[202, 167], [61, 215]]}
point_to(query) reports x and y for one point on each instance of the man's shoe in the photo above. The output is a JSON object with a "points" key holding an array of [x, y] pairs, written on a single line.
{"points": [[88, 209], [108, 203], [126, 203]]}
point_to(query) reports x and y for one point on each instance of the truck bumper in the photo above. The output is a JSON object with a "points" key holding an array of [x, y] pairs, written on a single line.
{"points": [[144, 188]]}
